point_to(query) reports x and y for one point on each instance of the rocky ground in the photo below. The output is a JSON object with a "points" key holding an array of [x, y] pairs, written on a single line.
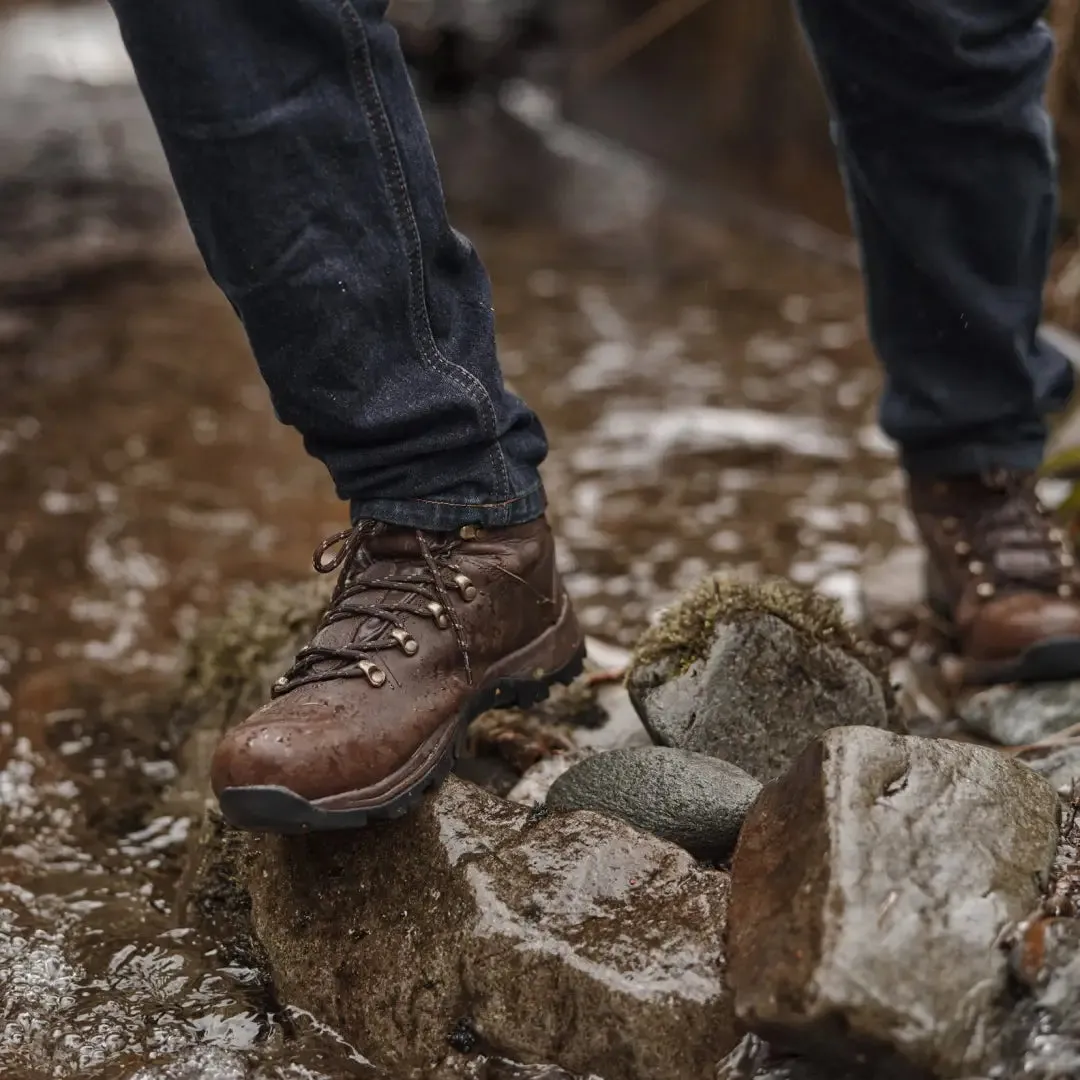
{"points": [[749, 861], [756, 877]]}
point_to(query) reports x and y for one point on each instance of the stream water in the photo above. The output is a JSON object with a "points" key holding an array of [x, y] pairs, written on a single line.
{"points": [[710, 398]]}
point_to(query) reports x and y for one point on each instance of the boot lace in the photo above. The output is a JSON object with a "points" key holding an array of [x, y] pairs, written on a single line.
{"points": [[380, 626], [1011, 542]]}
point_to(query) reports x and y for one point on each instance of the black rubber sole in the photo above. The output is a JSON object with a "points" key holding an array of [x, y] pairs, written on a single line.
{"points": [[275, 809], [1052, 660]]}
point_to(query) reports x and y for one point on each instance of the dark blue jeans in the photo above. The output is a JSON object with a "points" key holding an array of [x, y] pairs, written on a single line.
{"points": [[299, 151]]}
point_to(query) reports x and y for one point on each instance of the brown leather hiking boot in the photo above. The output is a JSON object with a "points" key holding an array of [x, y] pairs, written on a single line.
{"points": [[1004, 575], [424, 631]]}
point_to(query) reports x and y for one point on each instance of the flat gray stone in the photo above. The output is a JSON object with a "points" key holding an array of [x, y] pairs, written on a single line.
{"points": [[763, 689], [1019, 715], [908, 858], [693, 800]]}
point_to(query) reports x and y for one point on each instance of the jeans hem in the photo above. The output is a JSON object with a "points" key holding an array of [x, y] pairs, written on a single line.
{"points": [[972, 459], [446, 516]]}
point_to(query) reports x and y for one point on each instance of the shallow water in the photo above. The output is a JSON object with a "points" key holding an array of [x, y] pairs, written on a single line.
{"points": [[710, 400]]}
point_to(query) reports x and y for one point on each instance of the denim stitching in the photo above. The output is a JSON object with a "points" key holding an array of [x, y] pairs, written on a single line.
{"points": [[389, 160]]}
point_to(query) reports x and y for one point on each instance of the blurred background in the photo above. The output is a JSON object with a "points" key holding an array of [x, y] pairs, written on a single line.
{"points": [[652, 186]]}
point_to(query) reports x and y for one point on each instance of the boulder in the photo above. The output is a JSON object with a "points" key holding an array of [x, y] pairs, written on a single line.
{"points": [[473, 915], [695, 801], [751, 673], [871, 887]]}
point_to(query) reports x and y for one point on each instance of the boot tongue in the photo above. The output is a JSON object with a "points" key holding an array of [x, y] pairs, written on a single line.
{"points": [[392, 542]]}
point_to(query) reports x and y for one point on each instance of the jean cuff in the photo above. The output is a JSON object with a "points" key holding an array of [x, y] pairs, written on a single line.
{"points": [[968, 459], [433, 516]]}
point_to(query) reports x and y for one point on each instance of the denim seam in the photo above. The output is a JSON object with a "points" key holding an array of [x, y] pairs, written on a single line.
{"points": [[481, 505], [442, 517], [386, 153]]}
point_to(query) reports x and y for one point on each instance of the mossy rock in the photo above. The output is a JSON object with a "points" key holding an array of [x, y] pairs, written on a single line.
{"points": [[750, 672], [684, 633], [234, 658]]}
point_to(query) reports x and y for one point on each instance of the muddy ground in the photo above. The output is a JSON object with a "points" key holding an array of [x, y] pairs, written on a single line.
{"points": [[708, 391]]}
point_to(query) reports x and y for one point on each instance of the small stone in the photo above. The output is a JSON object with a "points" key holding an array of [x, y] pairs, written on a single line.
{"points": [[870, 890], [692, 800], [1019, 715], [751, 673]]}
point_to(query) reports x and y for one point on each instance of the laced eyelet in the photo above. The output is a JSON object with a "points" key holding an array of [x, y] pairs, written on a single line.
{"points": [[985, 590], [438, 613], [409, 645], [1065, 591], [975, 567], [375, 674], [962, 548], [465, 587]]}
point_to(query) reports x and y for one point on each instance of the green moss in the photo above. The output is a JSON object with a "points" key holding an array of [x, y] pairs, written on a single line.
{"points": [[232, 658], [685, 631]]}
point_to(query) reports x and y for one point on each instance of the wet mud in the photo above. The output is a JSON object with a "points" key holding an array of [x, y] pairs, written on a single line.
{"points": [[710, 399]]}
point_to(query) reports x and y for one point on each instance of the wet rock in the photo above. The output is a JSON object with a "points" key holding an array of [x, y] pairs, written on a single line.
{"points": [[909, 857], [567, 939], [751, 673], [692, 800], [1019, 715]]}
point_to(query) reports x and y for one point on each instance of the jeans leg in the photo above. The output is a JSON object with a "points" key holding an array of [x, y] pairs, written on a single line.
{"points": [[946, 148], [301, 156]]}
